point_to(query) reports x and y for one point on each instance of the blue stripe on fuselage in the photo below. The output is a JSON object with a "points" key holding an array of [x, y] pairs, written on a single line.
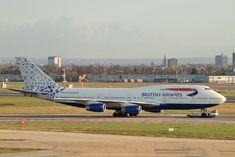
{"points": [[193, 94], [184, 106]]}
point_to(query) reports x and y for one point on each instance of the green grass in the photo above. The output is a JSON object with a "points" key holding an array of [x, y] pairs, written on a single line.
{"points": [[201, 131], [30, 105], [10, 85], [15, 150], [227, 92]]}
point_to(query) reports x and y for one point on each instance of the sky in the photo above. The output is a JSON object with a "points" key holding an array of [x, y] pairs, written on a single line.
{"points": [[117, 28]]}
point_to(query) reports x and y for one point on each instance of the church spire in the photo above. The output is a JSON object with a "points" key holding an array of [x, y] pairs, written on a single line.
{"points": [[164, 61]]}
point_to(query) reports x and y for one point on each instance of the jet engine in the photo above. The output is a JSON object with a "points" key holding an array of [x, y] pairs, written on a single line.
{"points": [[131, 109], [96, 107]]}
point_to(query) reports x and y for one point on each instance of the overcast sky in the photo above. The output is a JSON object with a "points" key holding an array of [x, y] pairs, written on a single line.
{"points": [[117, 28]]}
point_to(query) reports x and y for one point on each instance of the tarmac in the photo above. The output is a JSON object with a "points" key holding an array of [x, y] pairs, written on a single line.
{"points": [[61, 144], [107, 118]]}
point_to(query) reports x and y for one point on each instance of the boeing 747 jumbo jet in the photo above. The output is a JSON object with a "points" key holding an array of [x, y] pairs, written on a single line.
{"points": [[125, 101]]}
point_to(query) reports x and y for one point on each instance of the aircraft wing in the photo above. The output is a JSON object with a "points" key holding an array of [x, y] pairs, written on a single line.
{"points": [[109, 103]]}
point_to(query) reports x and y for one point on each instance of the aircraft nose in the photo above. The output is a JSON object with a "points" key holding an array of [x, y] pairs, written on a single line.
{"points": [[223, 99]]}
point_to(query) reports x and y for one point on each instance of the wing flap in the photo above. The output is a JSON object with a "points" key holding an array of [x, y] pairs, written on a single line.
{"points": [[112, 102]]}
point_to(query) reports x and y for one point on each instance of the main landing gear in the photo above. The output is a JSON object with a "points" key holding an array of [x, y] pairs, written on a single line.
{"points": [[123, 114], [204, 113]]}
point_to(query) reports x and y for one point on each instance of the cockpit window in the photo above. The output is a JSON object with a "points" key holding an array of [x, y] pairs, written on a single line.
{"points": [[207, 88]]}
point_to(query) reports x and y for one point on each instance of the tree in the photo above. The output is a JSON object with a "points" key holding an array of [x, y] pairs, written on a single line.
{"points": [[194, 71]]}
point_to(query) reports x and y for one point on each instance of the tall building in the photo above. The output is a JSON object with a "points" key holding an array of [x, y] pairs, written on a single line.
{"points": [[172, 63], [54, 60], [221, 61]]}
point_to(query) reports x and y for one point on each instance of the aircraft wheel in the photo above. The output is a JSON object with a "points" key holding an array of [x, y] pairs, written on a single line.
{"points": [[115, 114], [124, 114], [133, 115], [203, 115], [120, 114]]}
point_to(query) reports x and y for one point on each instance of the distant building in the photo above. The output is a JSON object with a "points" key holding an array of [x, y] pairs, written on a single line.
{"points": [[222, 79], [233, 61], [221, 61], [172, 63], [147, 78], [54, 60]]}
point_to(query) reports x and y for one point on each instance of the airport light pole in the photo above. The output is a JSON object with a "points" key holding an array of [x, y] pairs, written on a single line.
{"points": [[64, 76]]}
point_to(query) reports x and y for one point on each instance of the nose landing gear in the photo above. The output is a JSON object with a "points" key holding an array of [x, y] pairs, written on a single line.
{"points": [[203, 114], [203, 110]]}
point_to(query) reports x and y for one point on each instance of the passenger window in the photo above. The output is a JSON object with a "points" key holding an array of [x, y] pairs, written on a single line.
{"points": [[207, 89]]}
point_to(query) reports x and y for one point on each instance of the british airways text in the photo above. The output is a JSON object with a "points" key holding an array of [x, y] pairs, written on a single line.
{"points": [[152, 94]]}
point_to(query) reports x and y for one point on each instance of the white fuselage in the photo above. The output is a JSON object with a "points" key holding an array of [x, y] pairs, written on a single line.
{"points": [[163, 96]]}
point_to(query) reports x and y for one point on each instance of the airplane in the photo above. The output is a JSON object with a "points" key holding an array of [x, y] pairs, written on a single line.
{"points": [[125, 101]]}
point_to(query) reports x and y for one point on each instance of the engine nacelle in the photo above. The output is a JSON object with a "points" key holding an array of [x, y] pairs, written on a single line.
{"points": [[96, 107], [131, 109]]}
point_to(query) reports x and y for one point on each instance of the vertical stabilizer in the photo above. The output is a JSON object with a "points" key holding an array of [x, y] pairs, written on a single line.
{"points": [[35, 79]]}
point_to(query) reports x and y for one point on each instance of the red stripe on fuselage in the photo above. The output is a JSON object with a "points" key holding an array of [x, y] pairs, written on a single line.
{"points": [[182, 89]]}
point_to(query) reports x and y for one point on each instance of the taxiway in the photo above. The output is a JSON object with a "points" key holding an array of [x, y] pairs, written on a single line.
{"points": [[62, 144], [100, 118]]}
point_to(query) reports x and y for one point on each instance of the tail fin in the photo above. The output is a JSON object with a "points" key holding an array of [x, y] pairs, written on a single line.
{"points": [[35, 79]]}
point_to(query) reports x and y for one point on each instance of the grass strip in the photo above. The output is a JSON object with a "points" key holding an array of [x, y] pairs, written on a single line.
{"points": [[15, 150], [199, 131]]}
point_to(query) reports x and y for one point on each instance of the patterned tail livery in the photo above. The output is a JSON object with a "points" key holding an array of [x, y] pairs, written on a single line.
{"points": [[35, 79]]}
